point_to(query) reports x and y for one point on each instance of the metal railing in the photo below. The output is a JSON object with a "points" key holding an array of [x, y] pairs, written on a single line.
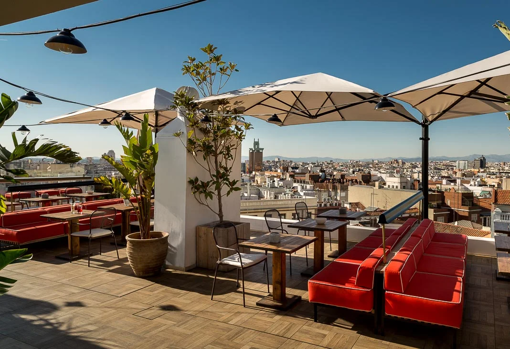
{"points": [[394, 212]]}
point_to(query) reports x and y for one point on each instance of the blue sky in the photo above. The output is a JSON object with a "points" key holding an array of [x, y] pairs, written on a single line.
{"points": [[383, 46]]}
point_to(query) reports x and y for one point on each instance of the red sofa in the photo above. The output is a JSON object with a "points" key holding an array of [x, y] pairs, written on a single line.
{"points": [[425, 279], [70, 191], [18, 195], [348, 282], [50, 192], [22, 227]]}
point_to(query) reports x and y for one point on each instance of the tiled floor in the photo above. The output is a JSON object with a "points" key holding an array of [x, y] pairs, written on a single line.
{"points": [[56, 304]]}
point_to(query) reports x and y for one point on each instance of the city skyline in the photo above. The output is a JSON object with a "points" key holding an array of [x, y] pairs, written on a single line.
{"points": [[91, 80]]}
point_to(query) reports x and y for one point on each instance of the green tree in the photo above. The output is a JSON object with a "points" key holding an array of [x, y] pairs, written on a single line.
{"points": [[138, 167], [215, 135]]}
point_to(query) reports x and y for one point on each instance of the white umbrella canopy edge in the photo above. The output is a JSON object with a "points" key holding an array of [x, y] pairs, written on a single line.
{"points": [[474, 89], [155, 101], [311, 98]]}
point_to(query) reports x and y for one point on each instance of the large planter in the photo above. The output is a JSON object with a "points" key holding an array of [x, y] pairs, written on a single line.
{"points": [[207, 253], [147, 256]]}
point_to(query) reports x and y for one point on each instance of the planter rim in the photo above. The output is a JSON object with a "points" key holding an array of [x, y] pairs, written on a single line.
{"points": [[131, 237]]}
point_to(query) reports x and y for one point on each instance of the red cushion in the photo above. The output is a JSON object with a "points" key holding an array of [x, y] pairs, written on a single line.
{"points": [[334, 285], [33, 233], [399, 271], [392, 241], [422, 228], [355, 255], [442, 265], [22, 217], [70, 191], [58, 208], [447, 250], [410, 222], [366, 271], [93, 205], [18, 195], [410, 244], [370, 242], [450, 238], [50, 192], [378, 232], [431, 298]]}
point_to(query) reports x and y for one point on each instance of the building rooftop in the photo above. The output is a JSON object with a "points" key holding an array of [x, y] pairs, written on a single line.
{"points": [[56, 304]]}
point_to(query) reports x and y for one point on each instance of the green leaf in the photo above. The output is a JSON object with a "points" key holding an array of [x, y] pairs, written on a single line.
{"points": [[9, 256]]}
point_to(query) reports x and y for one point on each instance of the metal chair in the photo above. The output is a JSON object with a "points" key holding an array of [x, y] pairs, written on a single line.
{"points": [[100, 225], [302, 213], [238, 260], [277, 225]]}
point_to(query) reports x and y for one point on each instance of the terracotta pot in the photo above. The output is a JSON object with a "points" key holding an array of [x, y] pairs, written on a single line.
{"points": [[147, 256]]}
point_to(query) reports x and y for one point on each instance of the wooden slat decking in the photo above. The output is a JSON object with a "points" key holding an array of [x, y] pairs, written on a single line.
{"points": [[56, 304]]}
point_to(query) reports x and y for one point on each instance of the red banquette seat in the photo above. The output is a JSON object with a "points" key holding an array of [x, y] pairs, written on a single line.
{"points": [[66, 191], [425, 279], [22, 227], [348, 282]]}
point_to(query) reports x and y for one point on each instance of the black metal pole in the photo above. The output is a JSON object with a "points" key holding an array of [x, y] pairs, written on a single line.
{"points": [[425, 168]]}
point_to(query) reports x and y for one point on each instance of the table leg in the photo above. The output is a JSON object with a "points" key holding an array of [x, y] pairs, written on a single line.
{"points": [[279, 299], [125, 228], [73, 242], [318, 251], [318, 255], [342, 242]]}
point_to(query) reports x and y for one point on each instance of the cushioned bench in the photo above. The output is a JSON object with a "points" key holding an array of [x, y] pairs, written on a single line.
{"points": [[425, 280], [50, 192], [348, 281], [22, 227], [70, 191]]}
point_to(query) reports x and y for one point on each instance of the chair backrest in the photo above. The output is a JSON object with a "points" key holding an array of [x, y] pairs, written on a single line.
{"points": [[301, 211], [273, 224], [103, 218], [225, 241], [71, 190]]}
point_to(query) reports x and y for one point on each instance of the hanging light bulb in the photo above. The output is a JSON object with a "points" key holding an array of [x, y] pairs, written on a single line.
{"points": [[385, 104], [23, 130], [29, 98], [127, 117], [105, 123], [65, 42], [274, 119]]}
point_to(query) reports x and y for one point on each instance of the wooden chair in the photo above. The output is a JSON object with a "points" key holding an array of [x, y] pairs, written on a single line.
{"points": [[238, 260]]}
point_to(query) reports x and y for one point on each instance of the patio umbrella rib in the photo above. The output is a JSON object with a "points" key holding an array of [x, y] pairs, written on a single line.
{"points": [[492, 88], [483, 97], [432, 96], [459, 100], [262, 101], [305, 109]]}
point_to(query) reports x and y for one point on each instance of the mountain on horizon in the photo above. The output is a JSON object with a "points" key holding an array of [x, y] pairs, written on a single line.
{"points": [[489, 157]]}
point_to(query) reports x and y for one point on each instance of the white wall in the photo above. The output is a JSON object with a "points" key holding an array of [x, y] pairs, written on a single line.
{"points": [[176, 210]]}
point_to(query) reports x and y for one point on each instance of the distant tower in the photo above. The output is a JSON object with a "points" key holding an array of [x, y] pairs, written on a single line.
{"points": [[111, 154], [256, 157]]}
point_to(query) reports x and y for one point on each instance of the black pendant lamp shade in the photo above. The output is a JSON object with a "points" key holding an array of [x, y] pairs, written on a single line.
{"points": [[105, 123], [65, 42], [274, 119], [29, 98], [206, 119], [385, 104], [127, 117], [23, 130]]}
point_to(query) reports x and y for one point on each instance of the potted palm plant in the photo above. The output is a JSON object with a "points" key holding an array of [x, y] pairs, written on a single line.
{"points": [[146, 250]]}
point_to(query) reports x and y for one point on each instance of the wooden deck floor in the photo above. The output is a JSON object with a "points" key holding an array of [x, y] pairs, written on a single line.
{"points": [[56, 304]]}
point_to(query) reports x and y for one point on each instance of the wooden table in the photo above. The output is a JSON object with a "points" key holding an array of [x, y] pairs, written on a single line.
{"points": [[41, 200], [72, 219], [348, 216], [125, 225], [502, 243], [318, 247], [288, 244], [87, 196]]}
